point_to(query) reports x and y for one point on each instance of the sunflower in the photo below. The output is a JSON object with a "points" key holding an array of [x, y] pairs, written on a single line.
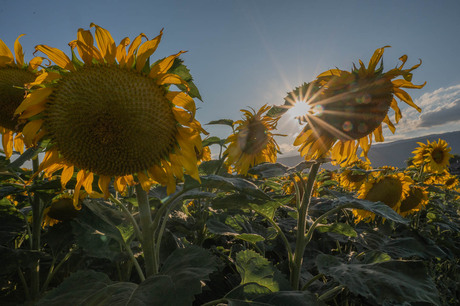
{"points": [[416, 199], [252, 142], [204, 155], [437, 156], [352, 178], [347, 109], [419, 154], [390, 189], [13, 77], [61, 209], [444, 179], [289, 186], [113, 115]]}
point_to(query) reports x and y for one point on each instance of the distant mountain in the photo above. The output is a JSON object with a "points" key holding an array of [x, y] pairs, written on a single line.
{"points": [[393, 153]]}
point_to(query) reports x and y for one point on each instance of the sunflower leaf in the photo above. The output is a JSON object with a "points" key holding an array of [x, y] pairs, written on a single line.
{"points": [[228, 122], [181, 70], [383, 283]]}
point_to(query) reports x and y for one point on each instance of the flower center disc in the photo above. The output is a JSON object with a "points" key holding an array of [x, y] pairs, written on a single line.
{"points": [[11, 97], [412, 201], [388, 190], [110, 121], [253, 138], [355, 108], [438, 155]]}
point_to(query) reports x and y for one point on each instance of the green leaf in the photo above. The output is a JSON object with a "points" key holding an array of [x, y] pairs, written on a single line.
{"points": [[231, 201], [277, 111], [251, 238], [382, 283], [253, 268], [187, 267], [212, 140], [338, 228], [269, 208], [228, 122], [289, 298], [267, 170], [181, 70], [245, 293], [214, 226], [378, 208], [233, 184], [210, 166], [177, 284], [95, 230]]}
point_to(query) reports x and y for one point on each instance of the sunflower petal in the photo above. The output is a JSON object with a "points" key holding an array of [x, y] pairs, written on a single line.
{"points": [[406, 84], [57, 56], [181, 99], [19, 143], [18, 51], [103, 184], [171, 79], [30, 131], [121, 50], [7, 142], [164, 65], [105, 43], [36, 97], [133, 48], [35, 62], [395, 107], [66, 175], [404, 96], [147, 49], [5, 54]]}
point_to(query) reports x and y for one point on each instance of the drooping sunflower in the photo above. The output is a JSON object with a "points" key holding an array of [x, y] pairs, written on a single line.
{"points": [[61, 209], [444, 180], [390, 189], [13, 76], [416, 199], [347, 109], [253, 142], [113, 115], [353, 177]]}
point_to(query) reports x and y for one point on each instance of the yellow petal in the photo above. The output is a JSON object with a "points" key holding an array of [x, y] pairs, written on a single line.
{"points": [[171, 79], [146, 183], [120, 184], [57, 56], [30, 131], [7, 141], [88, 182], [395, 107], [81, 176], [51, 157], [33, 110], [35, 62], [133, 48], [88, 53], [103, 184], [404, 96], [5, 54], [406, 84], [67, 173], [121, 50], [375, 59], [44, 77], [18, 51], [105, 43], [36, 97], [19, 143], [183, 100], [390, 124], [164, 65], [147, 49]]}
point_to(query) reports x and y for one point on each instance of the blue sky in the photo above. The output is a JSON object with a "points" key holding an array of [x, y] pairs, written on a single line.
{"points": [[252, 52]]}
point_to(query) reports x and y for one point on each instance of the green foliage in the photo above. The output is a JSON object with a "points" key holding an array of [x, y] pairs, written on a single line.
{"points": [[383, 283]]}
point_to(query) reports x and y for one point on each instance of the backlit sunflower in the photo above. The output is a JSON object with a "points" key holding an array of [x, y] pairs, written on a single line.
{"points": [[347, 109], [437, 156], [390, 189], [353, 177], [416, 199], [253, 142], [113, 115], [444, 180], [13, 76]]}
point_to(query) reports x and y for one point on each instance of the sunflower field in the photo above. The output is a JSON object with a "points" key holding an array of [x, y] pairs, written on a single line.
{"points": [[109, 193]]}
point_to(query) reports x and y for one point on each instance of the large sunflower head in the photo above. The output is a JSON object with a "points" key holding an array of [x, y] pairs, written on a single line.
{"points": [[416, 199], [390, 189], [113, 115], [253, 142], [347, 109], [61, 209], [14, 74]]}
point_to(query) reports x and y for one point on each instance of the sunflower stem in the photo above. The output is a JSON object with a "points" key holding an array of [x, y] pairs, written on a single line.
{"points": [[129, 216], [147, 231], [37, 212], [295, 263]]}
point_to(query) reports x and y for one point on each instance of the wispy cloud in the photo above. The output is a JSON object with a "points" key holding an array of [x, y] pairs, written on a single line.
{"points": [[440, 113]]}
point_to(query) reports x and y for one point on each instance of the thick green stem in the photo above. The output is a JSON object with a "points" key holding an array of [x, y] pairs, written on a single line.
{"points": [[295, 264], [151, 267], [36, 232]]}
